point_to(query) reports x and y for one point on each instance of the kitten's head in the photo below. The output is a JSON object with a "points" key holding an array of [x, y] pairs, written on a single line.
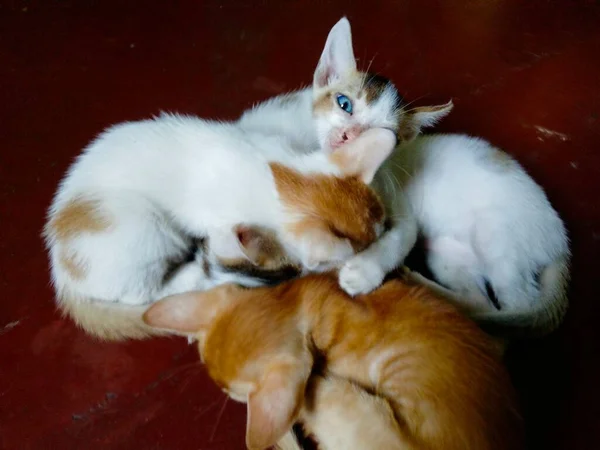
{"points": [[252, 349], [333, 214], [347, 102]]}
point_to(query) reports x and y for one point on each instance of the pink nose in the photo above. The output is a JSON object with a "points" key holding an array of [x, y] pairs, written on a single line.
{"points": [[352, 133]]}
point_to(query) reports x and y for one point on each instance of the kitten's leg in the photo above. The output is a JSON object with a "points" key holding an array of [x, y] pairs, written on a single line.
{"points": [[509, 268], [366, 271], [456, 265]]}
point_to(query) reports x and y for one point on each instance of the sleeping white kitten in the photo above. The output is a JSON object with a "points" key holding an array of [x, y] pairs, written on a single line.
{"points": [[493, 238]]}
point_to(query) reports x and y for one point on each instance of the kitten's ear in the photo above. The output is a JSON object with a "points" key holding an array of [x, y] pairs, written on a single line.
{"points": [[337, 58], [259, 244], [363, 156], [422, 117], [274, 405], [192, 311]]}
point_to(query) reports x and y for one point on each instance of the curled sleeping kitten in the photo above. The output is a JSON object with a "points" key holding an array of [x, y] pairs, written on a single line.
{"points": [[127, 209], [492, 237], [438, 379], [494, 242]]}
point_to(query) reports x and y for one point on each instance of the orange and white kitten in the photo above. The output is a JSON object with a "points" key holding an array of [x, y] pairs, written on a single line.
{"points": [[134, 199], [441, 375]]}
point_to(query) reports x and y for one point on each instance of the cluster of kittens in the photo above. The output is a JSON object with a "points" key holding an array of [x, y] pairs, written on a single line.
{"points": [[268, 240]]}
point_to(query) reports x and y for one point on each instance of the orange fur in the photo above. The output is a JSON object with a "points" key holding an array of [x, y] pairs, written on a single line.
{"points": [[324, 103], [332, 215], [441, 375], [332, 207], [341, 415], [76, 268], [80, 215]]}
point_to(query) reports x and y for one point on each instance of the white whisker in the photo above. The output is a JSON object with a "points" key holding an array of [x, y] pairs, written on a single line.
{"points": [[214, 431], [404, 110]]}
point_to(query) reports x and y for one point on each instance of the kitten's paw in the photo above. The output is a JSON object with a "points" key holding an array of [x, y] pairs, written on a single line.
{"points": [[361, 275]]}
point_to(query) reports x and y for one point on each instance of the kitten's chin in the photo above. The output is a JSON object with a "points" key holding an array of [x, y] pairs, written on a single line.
{"points": [[327, 148]]}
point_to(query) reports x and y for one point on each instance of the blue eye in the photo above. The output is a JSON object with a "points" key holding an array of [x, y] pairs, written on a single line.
{"points": [[344, 103]]}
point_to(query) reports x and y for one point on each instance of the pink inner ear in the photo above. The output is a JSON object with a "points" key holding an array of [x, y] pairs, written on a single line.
{"points": [[244, 235], [324, 75]]}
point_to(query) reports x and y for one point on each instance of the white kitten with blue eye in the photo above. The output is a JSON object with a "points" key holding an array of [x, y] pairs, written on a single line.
{"points": [[493, 239]]}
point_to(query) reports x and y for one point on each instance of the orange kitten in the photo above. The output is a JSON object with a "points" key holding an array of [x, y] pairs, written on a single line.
{"points": [[440, 374]]}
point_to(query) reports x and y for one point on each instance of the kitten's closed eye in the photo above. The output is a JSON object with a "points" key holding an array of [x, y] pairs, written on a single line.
{"points": [[357, 245], [337, 233]]}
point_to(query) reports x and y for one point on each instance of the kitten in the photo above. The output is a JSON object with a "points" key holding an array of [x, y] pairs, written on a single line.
{"points": [[491, 235], [440, 374], [493, 238], [341, 103], [124, 214]]}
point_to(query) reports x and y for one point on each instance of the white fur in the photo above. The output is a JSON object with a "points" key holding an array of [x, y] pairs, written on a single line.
{"points": [[337, 60], [287, 115], [484, 218]]}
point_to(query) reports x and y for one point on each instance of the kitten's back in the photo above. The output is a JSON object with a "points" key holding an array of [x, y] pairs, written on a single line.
{"points": [[487, 222], [441, 374]]}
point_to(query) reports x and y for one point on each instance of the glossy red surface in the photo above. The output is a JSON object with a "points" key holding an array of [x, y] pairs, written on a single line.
{"points": [[524, 74]]}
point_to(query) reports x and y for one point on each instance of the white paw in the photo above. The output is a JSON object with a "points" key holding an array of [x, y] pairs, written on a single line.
{"points": [[361, 275]]}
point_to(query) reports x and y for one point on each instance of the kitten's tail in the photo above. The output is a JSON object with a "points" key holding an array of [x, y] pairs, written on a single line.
{"points": [[107, 321], [544, 316]]}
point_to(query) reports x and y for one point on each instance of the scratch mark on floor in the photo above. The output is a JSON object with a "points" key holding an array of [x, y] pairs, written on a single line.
{"points": [[545, 132], [9, 326]]}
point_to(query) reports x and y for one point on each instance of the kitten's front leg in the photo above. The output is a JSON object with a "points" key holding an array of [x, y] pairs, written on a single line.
{"points": [[366, 271]]}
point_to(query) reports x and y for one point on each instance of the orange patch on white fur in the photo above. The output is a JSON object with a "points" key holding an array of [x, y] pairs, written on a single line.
{"points": [[502, 159], [76, 268], [343, 207], [323, 103], [352, 85], [80, 215]]}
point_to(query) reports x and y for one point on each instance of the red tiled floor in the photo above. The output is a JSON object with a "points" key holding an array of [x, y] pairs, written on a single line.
{"points": [[524, 74]]}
